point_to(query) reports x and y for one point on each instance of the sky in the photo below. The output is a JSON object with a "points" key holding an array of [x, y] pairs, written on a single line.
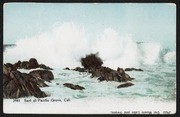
{"points": [[152, 22]]}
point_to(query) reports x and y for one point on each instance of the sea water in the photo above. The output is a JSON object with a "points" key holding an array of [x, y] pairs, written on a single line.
{"points": [[154, 88]]}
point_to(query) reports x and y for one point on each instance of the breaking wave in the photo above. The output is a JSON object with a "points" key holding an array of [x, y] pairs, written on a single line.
{"points": [[65, 44]]}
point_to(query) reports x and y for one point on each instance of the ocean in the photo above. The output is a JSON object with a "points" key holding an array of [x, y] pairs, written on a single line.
{"points": [[154, 88]]}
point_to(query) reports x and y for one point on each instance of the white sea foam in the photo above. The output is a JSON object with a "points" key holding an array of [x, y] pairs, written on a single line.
{"points": [[66, 43], [170, 57], [155, 95]]}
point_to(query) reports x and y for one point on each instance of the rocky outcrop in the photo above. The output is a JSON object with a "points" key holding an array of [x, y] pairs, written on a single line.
{"points": [[125, 77], [93, 64], [91, 61], [31, 64], [74, 87], [80, 69], [108, 74], [42, 74], [17, 84], [67, 68], [45, 67], [23, 65], [125, 85], [133, 69]]}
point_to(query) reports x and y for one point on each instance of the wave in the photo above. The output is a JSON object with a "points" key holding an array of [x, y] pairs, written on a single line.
{"points": [[65, 44]]}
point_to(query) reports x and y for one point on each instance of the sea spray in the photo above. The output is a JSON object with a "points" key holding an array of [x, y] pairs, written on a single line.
{"points": [[60, 47], [65, 44]]}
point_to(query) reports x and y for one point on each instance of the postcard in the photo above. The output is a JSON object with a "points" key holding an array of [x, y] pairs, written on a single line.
{"points": [[93, 58]]}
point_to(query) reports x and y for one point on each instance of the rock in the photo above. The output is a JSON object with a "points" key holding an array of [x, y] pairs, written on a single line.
{"points": [[67, 68], [93, 64], [133, 69], [101, 78], [125, 77], [6, 79], [24, 65], [80, 69], [108, 74], [95, 72], [42, 74], [7, 68], [16, 65], [74, 87], [33, 64], [91, 61], [40, 82], [125, 85], [120, 71], [45, 67], [17, 84], [7, 73]]}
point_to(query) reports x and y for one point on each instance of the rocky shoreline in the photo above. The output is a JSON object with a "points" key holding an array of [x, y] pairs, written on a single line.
{"points": [[17, 84]]}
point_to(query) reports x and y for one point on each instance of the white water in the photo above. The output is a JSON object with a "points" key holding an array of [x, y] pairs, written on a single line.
{"points": [[154, 91], [65, 44]]}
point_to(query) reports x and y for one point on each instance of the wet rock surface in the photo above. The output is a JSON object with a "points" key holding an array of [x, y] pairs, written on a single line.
{"points": [[74, 87], [31, 64], [108, 74], [42, 74], [91, 61], [133, 69], [80, 69], [93, 64], [45, 67], [67, 68], [17, 84], [125, 85]]}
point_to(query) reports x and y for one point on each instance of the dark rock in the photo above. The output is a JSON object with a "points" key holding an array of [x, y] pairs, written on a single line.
{"points": [[67, 68], [108, 74], [74, 87], [120, 71], [101, 78], [133, 69], [125, 85], [80, 69], [24, 65], [6, 79], [16, 65], [7, 68], [93, 64], [125, 77], [9, 65], [45, 67], [57, 83], [40, 82], [91, 61], [17, 84], [33, 64], [42, 74], [95, 72]]}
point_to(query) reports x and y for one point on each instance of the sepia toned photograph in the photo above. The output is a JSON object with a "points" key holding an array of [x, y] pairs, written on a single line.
{"points": [[89, 58]]}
